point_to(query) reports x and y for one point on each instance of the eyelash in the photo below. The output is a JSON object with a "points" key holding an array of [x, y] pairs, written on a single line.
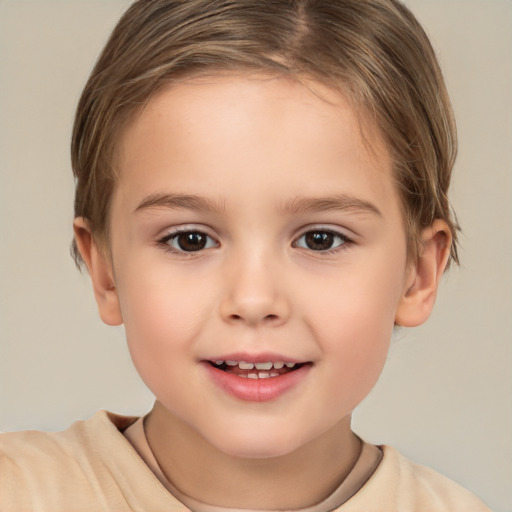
{"points": [[165, 241], [344, 241]]}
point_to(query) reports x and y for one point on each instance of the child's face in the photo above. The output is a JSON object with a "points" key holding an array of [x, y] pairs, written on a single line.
{"points": [[251, 224]]}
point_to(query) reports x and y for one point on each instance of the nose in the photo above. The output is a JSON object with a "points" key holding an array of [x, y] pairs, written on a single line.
{"points": [[255, 292]]}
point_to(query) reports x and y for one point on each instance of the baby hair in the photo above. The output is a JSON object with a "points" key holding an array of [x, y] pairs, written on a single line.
{"points": [[373, 51]]}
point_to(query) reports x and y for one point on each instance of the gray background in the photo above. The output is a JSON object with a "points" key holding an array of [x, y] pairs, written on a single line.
{"points": [[445, 397]]}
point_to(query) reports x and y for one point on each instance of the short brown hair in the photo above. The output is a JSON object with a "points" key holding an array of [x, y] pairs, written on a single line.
{"points": [[374, 51]]}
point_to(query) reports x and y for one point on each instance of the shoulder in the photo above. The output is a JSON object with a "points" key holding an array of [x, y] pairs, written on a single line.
{"points": [[78, 440], [49, 465], [429, 485], [400, 485]]}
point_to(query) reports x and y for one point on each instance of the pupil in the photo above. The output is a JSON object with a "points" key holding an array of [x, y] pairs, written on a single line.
{"points": [[319, 241], [191, 241]]}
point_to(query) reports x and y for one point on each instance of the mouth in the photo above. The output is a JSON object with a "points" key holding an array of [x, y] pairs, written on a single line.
{"points": [[262, 379], [260, 370]]}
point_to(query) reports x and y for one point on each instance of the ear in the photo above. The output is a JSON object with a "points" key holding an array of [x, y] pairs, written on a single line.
{"points": [[100, 270], [423, 276]]}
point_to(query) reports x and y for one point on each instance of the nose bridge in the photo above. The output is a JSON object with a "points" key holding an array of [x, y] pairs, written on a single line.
{"points": [[255, 291]]}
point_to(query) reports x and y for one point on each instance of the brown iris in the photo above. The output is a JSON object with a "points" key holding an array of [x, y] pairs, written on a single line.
{"points": [[319, 240], [192, 241]]}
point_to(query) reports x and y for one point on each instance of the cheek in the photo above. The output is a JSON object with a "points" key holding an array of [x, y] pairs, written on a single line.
{"points": [[355, 359], [360, 349], [365, 352], [354, 326], [161, 323]]}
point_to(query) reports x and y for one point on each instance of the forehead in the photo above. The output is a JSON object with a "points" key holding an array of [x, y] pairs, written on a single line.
{"points": [[249, 128]]}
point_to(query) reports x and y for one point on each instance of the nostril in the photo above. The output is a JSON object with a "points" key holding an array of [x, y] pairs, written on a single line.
{"points": [[267, 318]]}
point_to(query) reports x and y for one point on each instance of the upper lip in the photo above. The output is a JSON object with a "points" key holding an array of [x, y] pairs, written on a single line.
{"points": [[264, 357]]}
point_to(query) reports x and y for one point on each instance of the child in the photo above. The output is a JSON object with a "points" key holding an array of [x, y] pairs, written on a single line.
{"points": [[261, 198]]}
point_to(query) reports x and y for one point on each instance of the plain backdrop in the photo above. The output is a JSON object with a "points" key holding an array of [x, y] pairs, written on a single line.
{"points": [[444, 399]]}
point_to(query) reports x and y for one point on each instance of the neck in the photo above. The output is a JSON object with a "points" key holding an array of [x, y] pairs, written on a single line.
{"points": [[296, 480]]}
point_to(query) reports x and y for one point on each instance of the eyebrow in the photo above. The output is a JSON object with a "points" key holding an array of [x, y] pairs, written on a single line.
{"points": [[177, 201], [339, 202]]}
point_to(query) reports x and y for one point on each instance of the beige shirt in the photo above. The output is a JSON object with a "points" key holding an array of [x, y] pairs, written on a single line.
{"points": [[92, 467]]}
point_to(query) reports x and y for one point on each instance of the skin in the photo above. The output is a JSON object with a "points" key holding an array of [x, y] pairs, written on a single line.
{"points": [[255, 150]]}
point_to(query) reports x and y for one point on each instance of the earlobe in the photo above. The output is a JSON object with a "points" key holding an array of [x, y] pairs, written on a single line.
{"points": [[422, 281], [100, 270]]}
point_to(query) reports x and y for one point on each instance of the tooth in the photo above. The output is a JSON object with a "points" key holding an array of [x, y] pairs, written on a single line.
{"points": [[278, 365], [245, 366], [243, 376], [218, 363], [232, 363], [289, 365], [263, 366], [263, 375], [274, 374], [252, 375]]}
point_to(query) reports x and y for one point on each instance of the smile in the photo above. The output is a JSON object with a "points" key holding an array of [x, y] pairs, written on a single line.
{"points": [[263, 370], [259, 381]]}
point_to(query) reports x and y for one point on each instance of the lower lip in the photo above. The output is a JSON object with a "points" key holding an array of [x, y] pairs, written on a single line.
{"points": [[256, 390]]}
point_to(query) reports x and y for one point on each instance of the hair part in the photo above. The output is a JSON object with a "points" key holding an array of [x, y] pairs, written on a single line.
{"points": [[373, 51]]}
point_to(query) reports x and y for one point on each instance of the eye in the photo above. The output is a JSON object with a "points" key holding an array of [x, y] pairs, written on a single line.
{"points": [[321, 240], [189, 241]]}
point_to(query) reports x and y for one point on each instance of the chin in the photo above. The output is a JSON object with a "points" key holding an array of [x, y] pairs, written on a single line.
{"points": [[257, 443]]}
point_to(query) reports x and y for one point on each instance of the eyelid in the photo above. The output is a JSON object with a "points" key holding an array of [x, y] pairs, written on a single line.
{"points": [[186, 228], [327, 228]]}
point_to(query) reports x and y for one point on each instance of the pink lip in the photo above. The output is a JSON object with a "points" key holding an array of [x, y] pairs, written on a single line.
{"points": [[256, 390]]}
